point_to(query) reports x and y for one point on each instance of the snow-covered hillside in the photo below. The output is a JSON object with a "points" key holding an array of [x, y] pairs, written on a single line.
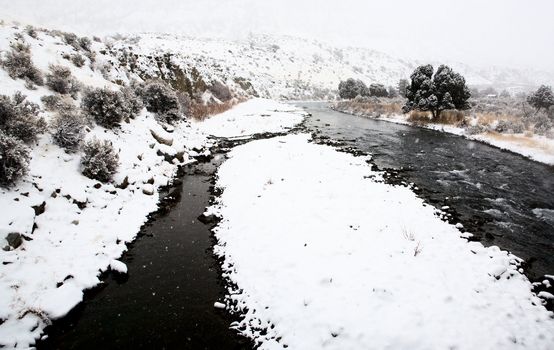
{"points": [[294, 68]]}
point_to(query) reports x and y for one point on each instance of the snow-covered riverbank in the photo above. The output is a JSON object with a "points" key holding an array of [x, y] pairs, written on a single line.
{"points": [[324, 254], [74, 228], [536, 147]]}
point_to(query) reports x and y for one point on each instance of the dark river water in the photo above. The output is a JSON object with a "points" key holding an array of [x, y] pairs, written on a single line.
{"points": [[167, 299], [502, 198]]}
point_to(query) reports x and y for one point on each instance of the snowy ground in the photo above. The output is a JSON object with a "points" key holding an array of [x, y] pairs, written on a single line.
{"points": [[252, 117], [538, 148], [71, 245], [325, 255]]}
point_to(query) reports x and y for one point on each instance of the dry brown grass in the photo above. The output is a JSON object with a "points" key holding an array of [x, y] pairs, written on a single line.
{"points": [[199, 111], [419, 117], [490, 118], [525, 140], [451, 117]]}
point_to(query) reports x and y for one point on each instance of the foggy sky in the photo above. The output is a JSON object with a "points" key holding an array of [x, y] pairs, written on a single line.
{"points": [[514, 33]]}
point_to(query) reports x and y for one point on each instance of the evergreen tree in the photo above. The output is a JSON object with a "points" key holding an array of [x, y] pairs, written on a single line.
{"points": [[402, 86], [378, 90], [542, 98], [445, 89]]}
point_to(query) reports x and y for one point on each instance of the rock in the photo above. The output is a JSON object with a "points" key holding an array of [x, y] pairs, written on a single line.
{"points": [[39, 209], [118, 266], [124, 184], [207, 219], [219, 305], [14, 240], [161, 138], [148, 189]]}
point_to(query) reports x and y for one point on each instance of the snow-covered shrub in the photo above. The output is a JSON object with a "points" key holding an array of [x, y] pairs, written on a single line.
{"points": [[510, 126], [134, 101], [85, 43], [160, 98], [57, 102], [542, 124], [68, 129], [78, 60], [20, 118], [71, 39], [19, 64], [31, 31], [107, 107], [100, 160], [62, 81], [476, 129], [14, 159]]}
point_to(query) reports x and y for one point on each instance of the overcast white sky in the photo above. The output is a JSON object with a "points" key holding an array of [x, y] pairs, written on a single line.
{"points": [[516, 33]]}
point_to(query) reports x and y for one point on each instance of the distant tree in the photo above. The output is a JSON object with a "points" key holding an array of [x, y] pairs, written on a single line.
{"points": [[350, 88], [393, 92], [543, 98], [445, 90], [402, 86], [378, 90]]}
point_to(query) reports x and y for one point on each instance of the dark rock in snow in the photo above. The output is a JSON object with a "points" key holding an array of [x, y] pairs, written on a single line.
{"points": [[207, 219], [14, 240], [39, 209]]}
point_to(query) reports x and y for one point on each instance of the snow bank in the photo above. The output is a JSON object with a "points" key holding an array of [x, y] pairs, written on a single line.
{"points": [[254, 116], [325, 255], [80, 226]]}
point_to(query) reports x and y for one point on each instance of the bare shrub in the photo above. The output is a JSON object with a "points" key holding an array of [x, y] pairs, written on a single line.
{"points": [[62, 81], [57, 103], [513, 126], [100, 160], [78, 60], [71, 39], [20, 118], [14, 160], [19, 64], [31, 31], [85, 43]]}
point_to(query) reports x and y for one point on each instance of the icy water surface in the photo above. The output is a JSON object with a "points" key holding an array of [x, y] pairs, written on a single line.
{"points": [[503, 198]]}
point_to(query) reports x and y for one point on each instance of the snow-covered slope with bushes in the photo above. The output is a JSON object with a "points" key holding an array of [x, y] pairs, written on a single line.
{"points": [[284, 67], [59, 229]]}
